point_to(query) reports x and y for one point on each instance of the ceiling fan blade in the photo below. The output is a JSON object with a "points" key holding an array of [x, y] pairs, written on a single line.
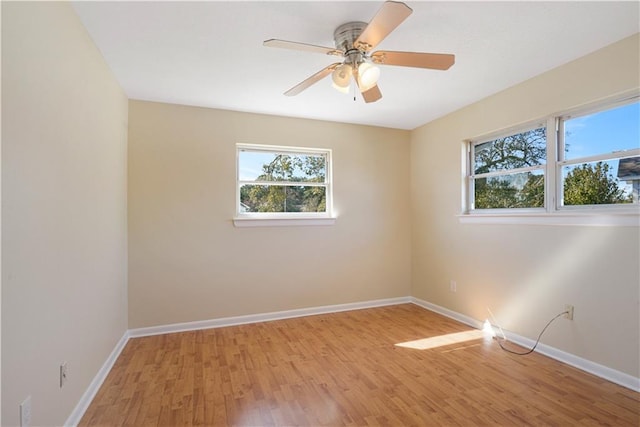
{"points": [[372, 95], [311, 80], [369, 95], [390, 15], [436, 61], [284, 44]]}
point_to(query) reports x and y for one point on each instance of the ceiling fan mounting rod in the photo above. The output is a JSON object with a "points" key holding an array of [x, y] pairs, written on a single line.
{"points": [[354, 57]]}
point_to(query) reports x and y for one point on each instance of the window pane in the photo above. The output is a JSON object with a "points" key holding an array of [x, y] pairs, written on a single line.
{"points": [[264, 166], [280, 198], [518, 190], [520, 150], [597, 183], [603, 132]]}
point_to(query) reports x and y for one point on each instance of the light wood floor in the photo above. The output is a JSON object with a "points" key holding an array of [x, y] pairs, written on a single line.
{"points": [[345, 369]]}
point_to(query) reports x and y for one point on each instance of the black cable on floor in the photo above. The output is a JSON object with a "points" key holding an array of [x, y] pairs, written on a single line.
{"points": [[537, 341]]}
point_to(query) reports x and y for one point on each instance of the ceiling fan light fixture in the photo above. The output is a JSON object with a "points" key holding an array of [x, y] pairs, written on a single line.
{"points": [[341, 77], [343, 89], [368, 75]]}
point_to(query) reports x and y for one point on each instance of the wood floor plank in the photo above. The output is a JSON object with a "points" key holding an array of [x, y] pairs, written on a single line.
{"points": [[345, 369]]}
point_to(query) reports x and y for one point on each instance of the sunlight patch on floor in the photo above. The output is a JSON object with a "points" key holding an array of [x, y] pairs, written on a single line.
{"points": [[443, 340]]}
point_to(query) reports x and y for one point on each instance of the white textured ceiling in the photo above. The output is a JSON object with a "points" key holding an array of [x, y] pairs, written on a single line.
{"points": [[210, 54]]}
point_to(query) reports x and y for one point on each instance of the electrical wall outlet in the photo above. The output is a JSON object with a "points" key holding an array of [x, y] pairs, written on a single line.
{"points": [[63, 373], [25, 412], [453, 287], [569, 311]]}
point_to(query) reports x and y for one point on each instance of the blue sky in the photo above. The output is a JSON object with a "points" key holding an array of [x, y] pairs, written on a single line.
{"points": [[251, 164], [604, 132]]}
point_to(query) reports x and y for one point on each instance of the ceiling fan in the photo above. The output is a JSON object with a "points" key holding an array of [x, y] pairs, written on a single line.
{"points": [[354, 42]]}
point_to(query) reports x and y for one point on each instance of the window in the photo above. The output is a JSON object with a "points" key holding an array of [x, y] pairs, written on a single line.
{"points": [[283, 182], [586, 160], [598, 157], [508, 172]]}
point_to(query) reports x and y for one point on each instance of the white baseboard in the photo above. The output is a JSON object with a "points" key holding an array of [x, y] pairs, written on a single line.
{"points": [[448, 313], [263, 317], [601, 371], [89, 394], [594, 368]]}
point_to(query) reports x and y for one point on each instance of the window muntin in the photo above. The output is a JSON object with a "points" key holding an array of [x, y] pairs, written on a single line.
{"points": [[508, 172], [283, 181]]}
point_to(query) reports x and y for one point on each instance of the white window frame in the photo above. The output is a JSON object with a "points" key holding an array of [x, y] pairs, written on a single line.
{"points": [[261, 219], [553, 213]]}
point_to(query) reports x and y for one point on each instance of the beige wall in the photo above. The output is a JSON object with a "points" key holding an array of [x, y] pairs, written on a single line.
{"points": [[64, 130], [525, 274], [64, 218], [188, 262]]}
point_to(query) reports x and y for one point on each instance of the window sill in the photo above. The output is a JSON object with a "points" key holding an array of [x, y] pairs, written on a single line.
{"points": [[282, 222], [580, 219]]}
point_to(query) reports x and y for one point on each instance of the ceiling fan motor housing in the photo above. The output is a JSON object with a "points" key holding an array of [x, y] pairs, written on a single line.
{"points": [[345, 36]]}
